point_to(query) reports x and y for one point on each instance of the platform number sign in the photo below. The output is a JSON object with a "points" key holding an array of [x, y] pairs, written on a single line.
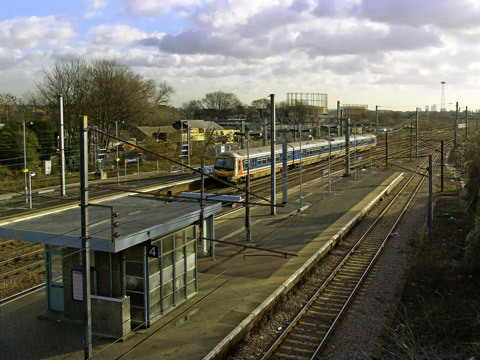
{"points": [[152, 251]]}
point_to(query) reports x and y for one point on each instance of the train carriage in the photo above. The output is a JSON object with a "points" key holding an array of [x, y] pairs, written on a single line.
{"points": [[232, 165]]}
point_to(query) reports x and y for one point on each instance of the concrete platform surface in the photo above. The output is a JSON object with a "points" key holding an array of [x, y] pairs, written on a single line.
{"points": [[234, 288]]}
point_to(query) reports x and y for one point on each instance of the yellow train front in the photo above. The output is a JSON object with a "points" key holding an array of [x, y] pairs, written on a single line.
{"points": [[232, 166]]}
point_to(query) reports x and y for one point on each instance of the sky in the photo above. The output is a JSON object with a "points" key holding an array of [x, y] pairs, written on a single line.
{"points": [[390, 53]]}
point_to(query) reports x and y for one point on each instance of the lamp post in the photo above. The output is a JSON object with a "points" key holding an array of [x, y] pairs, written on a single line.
{"points": [[117, 159], [30, 175], [248, 233], [25, 170]]}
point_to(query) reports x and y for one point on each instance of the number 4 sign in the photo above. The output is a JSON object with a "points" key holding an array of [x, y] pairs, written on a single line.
{"points": [[152, 251]]}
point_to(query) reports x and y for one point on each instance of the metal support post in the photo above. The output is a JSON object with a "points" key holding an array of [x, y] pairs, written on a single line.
{"points": [[416, 135], [411, 140], [95, 148], [61, 145], [87, 317], [347, 149], [273, 178], [25, 169], [117, 159], [371, 153], [284, 170], [329, 162], [202, 203], [301, 179], [339, 121], [441, 165], [355, 152], [264, 129], [455, 131], [181, 144], [386, 148], [30, 174], [466, 122], [430, 197], [242, 129], [247, 193], [376, 114]]}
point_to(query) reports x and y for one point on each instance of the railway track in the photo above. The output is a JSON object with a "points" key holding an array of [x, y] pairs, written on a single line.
{"points": [[308, 332]]}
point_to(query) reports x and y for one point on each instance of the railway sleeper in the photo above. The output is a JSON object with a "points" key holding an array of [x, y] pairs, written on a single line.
{"points": [[304, 326], [339, 291], [329, 298], [323, 313], [281, 355], [296, 335], [297, 348]]}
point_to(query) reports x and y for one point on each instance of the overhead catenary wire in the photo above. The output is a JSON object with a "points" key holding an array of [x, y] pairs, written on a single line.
{"points": [[177, 162]]}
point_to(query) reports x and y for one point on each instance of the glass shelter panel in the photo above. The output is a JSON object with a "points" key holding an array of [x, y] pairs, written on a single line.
{"points": [[134, 280], [172, 276]]}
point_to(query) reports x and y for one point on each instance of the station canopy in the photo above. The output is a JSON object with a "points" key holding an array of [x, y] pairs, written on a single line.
{"points": [[140, 218]]}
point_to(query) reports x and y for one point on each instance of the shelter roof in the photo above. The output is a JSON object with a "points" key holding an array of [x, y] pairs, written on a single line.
{"points": [[140, 218]]}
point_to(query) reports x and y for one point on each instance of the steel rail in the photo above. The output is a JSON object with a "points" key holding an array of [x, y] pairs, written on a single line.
{"points": [[369, 267], [314, 297]]}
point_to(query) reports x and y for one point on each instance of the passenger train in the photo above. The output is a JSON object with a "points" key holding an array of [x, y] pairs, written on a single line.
{"points": [[232, 165]]}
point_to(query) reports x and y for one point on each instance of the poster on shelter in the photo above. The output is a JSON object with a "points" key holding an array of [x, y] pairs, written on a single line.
{"points": [[77, 285]]}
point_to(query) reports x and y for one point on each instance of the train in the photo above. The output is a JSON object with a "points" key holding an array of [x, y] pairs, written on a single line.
{"points": [[231, 166]]}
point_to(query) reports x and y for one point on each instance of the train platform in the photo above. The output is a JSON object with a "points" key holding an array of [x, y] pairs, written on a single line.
{"points": [[234, 287]]}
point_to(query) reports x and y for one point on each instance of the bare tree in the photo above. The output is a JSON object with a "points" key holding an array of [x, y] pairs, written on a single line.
{"points": [[12, 108], [106, 91], [193, 109], [69, 78], [221, 104], [118, 95], [263, 107], [162, 93]]}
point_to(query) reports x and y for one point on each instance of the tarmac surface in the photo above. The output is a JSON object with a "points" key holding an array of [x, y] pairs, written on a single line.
{"points": [[234, 288]]}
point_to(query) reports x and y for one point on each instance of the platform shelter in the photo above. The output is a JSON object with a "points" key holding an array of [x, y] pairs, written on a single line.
{"points": [[143, 256]]}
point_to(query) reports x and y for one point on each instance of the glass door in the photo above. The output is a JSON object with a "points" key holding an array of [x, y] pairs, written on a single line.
{"points": [[135, 285], [54, 279]]}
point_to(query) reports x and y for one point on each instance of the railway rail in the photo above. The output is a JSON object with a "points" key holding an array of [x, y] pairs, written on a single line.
{"points": [[308, 332]]}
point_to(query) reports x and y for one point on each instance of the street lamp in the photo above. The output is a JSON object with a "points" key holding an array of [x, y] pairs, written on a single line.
{"points": [[30, 175], [117, 159], [25, 170], [248, 233]]}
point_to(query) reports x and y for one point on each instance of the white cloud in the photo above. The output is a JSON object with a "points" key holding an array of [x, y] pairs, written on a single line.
{"points": [[96, 7], [348, 48], [441, 13], [99, 4], [32, 31], [153, 8], [115, 35]]}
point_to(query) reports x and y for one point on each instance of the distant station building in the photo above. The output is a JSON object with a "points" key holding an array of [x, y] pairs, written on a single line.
{"points": [[143, 256]]}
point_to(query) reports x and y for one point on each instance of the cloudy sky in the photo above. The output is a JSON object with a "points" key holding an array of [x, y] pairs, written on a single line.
{"points": [[391, 53]]}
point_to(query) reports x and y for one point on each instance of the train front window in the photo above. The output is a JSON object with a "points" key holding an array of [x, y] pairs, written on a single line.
{"points": [[224, 164]]}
